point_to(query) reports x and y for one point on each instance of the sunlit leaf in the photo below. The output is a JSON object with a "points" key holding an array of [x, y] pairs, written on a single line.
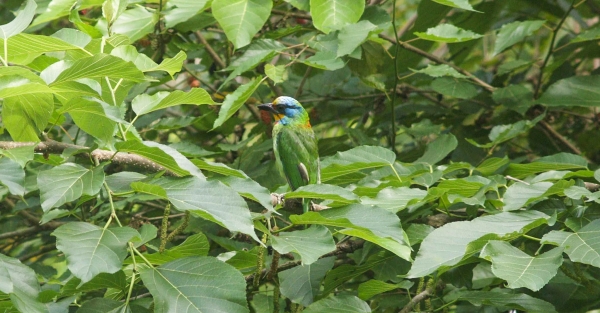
{"points": [[582, 246], [21, 284], [20, 22], [310, 243], [135, 23], [68, 182], [145, 103], [514, 32], [331, 15], [241, 19], [448, 33]]}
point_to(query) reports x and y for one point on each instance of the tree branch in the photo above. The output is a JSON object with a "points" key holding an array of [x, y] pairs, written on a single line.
{"points": [[210, 50], [55, 147], [419, 297], [342, 248], [439, 61]]}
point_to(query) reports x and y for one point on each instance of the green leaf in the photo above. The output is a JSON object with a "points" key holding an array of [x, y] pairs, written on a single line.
{"points": [[323, 191], [504, 300], [373, 287], [194, 245], [514, 32], [26, 116], [582, 246], [329, 15], [260, 51], [588, 35], [518, 268], [102, 305], [438, 149], [91, 250], [182, 11], [301, 284], [300, 4], [249, 189], [196, 284], [353, 35], [211, 200], [24, 48], [395, 199], [491, 165], [100, 66], [163, 155], [448, 33], [12, 176], [145, 64], [235, 100], [503, 133], [515, 97], [325, 60], [68, 182], [22, 155], [112, 9], [339, 304], [557, 162], [373, 224], [457, 236], [278, 74], [573, 91], [21, 284], [20, 23], [354, 160], [241, 19], [149, 189], [145, 103], [461, 4], [440, 71], [310, 243], [93, 116], [135, 23], [454, 87], [520, 194]]}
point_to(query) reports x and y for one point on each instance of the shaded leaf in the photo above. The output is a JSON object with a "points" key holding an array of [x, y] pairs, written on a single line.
{"points": [[461, 4], [354, 160], [438, 149], [21, 284], [573, 91], [196, 284], [22, 155], [12, 176], [439, 71], [301, 284], [68, 182], [454, 87], [518, 268], [514, 32], [373, 287], [395, 199], [339, 304], [310, 243], [505, 301], [352, 36], [235, 100], [91, 250], [323, 191]]}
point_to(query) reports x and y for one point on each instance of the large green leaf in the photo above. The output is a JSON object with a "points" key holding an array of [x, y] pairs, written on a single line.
{"points": [[514, 97], [310, 243], [518, 268], [196, 284], [145, 64], [339, 304], [354, 160], [68, 182], [353, 35], [373, 287], [454, 87], [438, 149], [301, 284], [448, 33], [211, 200], [12, 176], [21, 284], [166, 156], [135, 23], [456, 237], [373, 224], [461, 4], [329, 15], [249, 189], [395, 199], [102, 305], [503, 301], [182, 11], [520, 194], [514, 32], [24, 48], [259, 51], [582, 246], [26, 116], [145, 103], [557, 162], [235, 100], [503, 133], [439, 71], [22, 155], [323, 191], [100, 66], [20, 23], [93, 116], [91, 250], [241, 19], [194, 245], [573, 91]]}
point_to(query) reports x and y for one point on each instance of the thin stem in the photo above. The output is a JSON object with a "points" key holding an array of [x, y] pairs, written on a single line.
{"points": [[394, 95], [532, 238], [113, 212], [550, 50], [143, 257], [5, 59], [132, 274]]}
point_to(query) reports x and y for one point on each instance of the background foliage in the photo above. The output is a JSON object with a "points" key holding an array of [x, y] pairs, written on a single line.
{"points": [[458, 143]]}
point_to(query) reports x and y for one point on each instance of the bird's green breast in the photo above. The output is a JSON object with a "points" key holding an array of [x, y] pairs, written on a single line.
{"points": [[295, 143]]}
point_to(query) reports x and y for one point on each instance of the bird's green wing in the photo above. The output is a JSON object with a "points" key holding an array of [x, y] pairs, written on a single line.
{"points": [[296, 149]]}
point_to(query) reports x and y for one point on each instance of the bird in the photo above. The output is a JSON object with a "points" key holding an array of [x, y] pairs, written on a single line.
{"points": [[294, 144]]}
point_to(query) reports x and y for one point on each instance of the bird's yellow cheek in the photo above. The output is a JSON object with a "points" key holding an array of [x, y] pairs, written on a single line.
{"points": [[278, 117]]}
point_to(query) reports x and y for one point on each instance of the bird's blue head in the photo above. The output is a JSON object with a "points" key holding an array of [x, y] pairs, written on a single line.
{"points": [[285, 110]]}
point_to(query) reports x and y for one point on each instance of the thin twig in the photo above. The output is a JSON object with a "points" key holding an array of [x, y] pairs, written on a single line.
{"points": [[550, 51], [292, 14], [418, 298], [301, 86], [210, 50]]}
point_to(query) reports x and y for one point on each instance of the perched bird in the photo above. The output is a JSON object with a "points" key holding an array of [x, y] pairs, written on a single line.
{"points": [[294, 143]]}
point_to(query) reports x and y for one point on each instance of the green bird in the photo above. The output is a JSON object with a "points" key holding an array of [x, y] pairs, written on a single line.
{"points": [[294, 143]]}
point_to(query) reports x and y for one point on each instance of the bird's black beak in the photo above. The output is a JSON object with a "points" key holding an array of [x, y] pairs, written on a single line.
{"points": [[267, 107]]}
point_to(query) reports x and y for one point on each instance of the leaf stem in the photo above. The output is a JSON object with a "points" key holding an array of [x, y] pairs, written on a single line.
{"points": [[5, 59], [132, 274], [113, 212], [143, 257], [532, 238]]}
